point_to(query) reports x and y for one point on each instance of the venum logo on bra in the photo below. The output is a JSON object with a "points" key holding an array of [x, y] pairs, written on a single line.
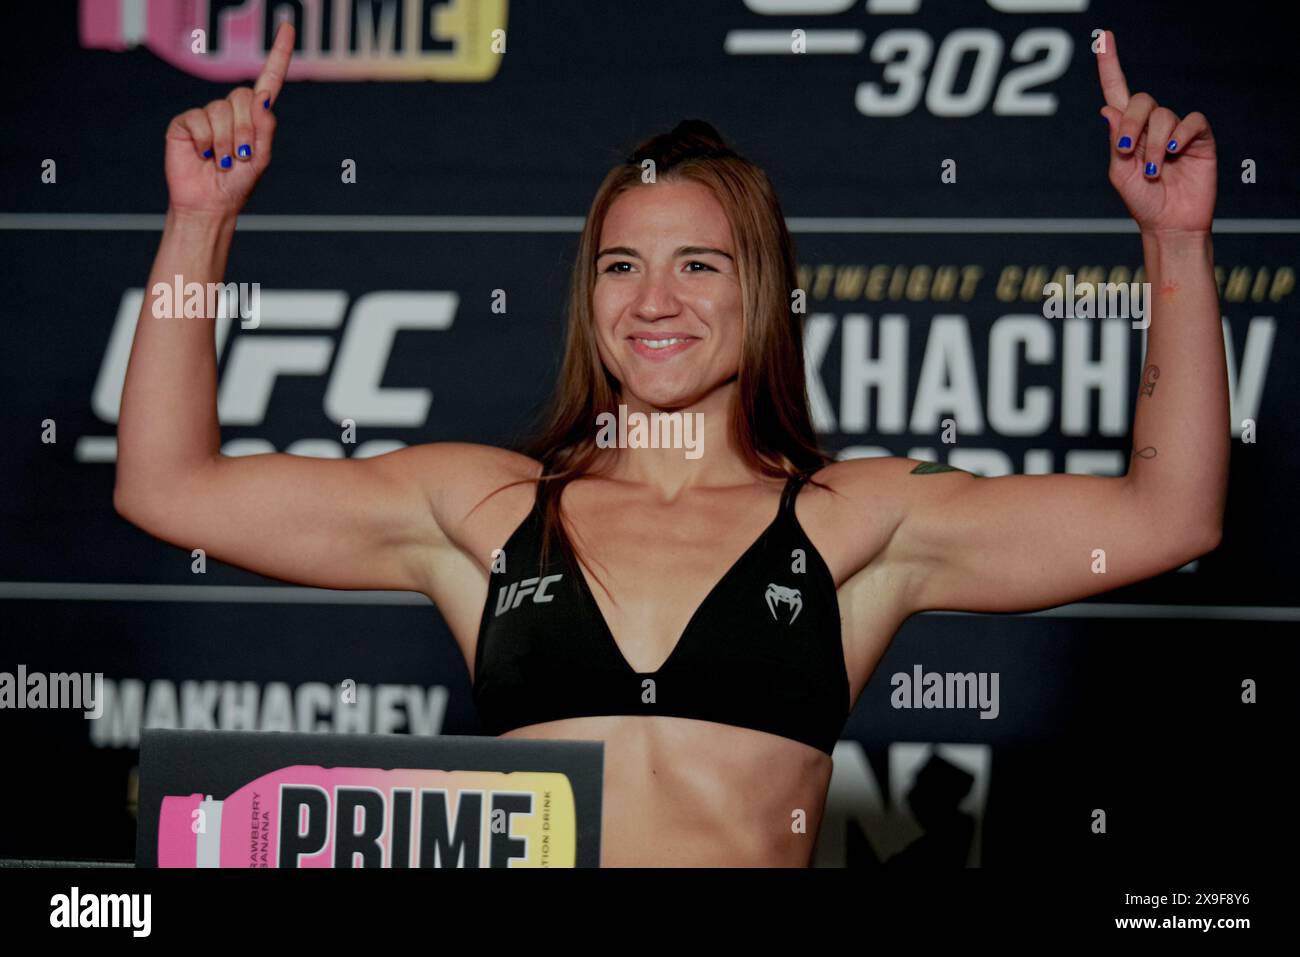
{"points": [[510, 597], [779, 595]]}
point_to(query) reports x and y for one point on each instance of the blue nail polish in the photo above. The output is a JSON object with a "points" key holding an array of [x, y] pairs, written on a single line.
{"points": [[226, 161], [1125, 142], [207, 154], [266, 104], [1173, 145], [1151, 169], [245, 151]]}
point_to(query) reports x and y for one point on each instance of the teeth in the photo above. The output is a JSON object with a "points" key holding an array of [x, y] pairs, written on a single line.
{"points": [[660, 343]]}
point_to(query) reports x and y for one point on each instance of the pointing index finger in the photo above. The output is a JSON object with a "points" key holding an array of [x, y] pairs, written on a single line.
{"points": [[271, 79], [1113, 85]]}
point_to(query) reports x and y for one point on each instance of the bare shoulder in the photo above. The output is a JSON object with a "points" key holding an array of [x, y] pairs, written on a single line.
{"points": [[470, 487], [885, 468], [865, 502], [890, 482], [472, 497], [464, 463], [877, 484]]}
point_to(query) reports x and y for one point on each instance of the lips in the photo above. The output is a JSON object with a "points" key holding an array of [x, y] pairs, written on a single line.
{"points": [[661, 346]]}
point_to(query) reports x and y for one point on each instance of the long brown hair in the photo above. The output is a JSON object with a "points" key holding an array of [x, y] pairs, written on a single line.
{"points": [[770, 420]]}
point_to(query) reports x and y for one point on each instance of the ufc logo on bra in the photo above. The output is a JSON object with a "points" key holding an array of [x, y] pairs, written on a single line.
{"points": [[511, 596]]}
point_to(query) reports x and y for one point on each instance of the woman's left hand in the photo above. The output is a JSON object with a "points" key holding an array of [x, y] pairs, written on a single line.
{"points": [[1168, 187]]}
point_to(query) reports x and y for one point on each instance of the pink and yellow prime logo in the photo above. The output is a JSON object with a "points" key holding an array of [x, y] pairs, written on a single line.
{"points": [[228, 40], [312, 816]]}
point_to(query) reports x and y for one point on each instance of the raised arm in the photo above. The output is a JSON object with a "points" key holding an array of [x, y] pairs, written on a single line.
{"points": [[369, 523], [1020, 542]]}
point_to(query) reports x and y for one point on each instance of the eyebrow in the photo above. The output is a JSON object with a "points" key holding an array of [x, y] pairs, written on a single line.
{"points": [[680, 251]]}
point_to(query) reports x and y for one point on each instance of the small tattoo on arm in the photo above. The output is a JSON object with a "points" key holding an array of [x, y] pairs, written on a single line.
{"points": [[931, 468], [1148, 453], [1149, 376], [1168, 289]]}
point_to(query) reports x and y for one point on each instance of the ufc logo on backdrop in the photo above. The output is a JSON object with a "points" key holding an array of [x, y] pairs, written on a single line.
{"points": [[256, 359]]}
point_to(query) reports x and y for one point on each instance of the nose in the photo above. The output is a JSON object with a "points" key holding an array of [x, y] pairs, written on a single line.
{"points": [[655, 297]]}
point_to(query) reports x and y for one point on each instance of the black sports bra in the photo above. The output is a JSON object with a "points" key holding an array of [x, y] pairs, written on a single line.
{"points": [[762, 651]]}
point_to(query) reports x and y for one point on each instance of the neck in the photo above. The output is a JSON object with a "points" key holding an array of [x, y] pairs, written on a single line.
{"points": [[702, 451]]}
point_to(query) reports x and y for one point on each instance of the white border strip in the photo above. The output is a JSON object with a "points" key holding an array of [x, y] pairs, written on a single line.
{"points": [[1115, 610], [750, 42], [264, 594], [246, 594], [152, 222]]}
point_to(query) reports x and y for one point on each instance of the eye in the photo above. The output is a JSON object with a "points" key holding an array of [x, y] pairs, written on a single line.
{"points": [[696, 262], [610, 267]]}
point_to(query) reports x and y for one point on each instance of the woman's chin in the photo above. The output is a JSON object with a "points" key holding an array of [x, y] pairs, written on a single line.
{"points": [[658, 395], [667, 401]]}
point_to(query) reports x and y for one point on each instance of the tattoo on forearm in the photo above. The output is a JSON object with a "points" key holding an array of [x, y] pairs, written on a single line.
{"points": [[1149, 376], [931, 468], [1168, 289], [1148, 453]]}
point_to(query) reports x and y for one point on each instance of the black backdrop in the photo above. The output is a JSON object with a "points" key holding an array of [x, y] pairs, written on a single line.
{"points": [[1130, 703]]}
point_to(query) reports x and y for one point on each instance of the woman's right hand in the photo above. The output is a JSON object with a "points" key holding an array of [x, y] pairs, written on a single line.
{"points": [[408, 520], [215, 155]]}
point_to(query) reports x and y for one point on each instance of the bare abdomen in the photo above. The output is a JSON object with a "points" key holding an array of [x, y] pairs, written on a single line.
{"points": [[686, 793]]}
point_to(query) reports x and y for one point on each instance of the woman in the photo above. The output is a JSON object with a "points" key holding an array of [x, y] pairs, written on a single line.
{"points": [[711, 616]]}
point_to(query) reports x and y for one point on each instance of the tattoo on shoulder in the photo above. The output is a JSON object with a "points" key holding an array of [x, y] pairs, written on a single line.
{"points": [[930, 468], [1147, 453]]}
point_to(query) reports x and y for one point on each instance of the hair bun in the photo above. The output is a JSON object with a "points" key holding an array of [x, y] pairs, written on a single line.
{"points": [[689, 139], [698, 132]]}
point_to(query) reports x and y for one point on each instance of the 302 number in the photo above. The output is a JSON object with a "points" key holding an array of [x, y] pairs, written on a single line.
{"points": [[908, 54]]}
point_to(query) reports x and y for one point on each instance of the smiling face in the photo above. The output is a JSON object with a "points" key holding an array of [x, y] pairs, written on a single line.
{"points": [[667, 300]]}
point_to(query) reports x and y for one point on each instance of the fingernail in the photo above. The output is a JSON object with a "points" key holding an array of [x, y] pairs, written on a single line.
{"points": [[1125, 142], [1106, 120], [245, 151], [266, 104], [1173, 145], [1151, 169], [226, 161], [207, 154]]}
